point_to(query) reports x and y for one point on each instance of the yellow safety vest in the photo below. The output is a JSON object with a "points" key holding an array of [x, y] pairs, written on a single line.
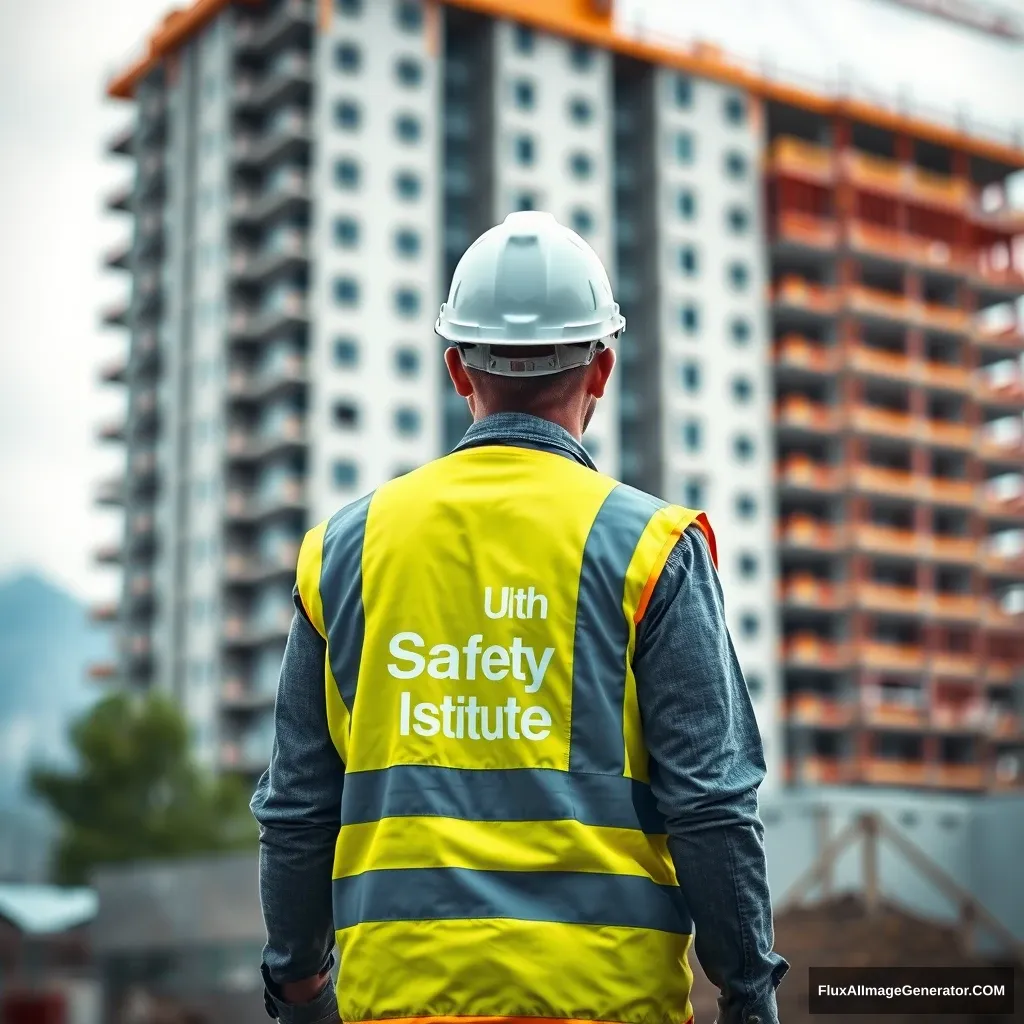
{"points": [[500, 853]]}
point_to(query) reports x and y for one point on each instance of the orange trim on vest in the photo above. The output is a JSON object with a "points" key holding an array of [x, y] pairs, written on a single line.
{"points": [[700, 520]]}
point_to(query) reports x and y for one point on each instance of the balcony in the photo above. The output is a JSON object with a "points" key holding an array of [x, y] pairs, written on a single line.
{"points": [[890, 365], [241, 631], [802, 531], [998, 564], [954, 607], [797, 352], [997, 618], [110, 493], [1009, 341], [117, 256], [1007, 396], [289, 131], [947, 548], [871, 172], [808, 650], [1004, 509], [114, 371], [1006, 454], [120, 199], [892, 657], [805, 590], [290, 19], [121, 141], [967, 717], [818, 770], [288, 249], [886, 772], [115, 315], [878, 303], [286, 79], [882, 480], [885, 597], [957, 776], [891, 715], [797, 292], [867, 419], [1002, 671], [938, 189], [798, 412], [1007, 279], [104, 612], [890, 244], [806, 230], [914, 184], [111, 431], [237, 695], [1005, 725], [109, 554], [252, 325], [815, 710], [944, 318], [887, 540], [947, 376], [799, 471], [798, 159], [955, 665], [943, 491], [948, 434]]}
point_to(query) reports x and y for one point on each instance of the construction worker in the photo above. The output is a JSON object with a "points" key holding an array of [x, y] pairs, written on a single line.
{"points": [[516, 762]]}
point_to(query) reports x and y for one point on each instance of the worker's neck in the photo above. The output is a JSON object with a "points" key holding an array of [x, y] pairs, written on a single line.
{"points": [[568, 421]]}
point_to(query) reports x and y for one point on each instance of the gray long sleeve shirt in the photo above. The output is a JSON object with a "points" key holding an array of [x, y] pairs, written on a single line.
{"points": [[706, 765]]}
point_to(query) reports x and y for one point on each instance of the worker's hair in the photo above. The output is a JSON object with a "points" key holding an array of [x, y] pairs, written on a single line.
{"points": [[533, 395]]}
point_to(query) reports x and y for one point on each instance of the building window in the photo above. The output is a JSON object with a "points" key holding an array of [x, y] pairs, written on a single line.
{"points": [[524, 39], [344, 473], [755, 685], [346, 291], [735, 109], [346, 415], [580, 110], [743, 447], [693, 492], [407, 185], [401, 471], [407, 302], [346, 115], [525, 201], [746, 507], [407, 422], [690, 374], [409, 72], [689, 318], [581, 165], [737, 219], [407, 242], [738, 275], [692, 435], [582, 221], [346, 173], [350, 8], [739, 330], [749, 625], [524, 150], [348, 58], [407, 128], [735, 165], [346, 232], [407, 362], [688, 262], [409, 15], [685, 147], [581, 56], [684, 91], [686, 203], [748, 565], [525, 95], [346, 353], [742, 390]]}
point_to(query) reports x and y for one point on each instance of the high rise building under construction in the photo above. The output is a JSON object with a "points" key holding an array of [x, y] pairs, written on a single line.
{"points": [[811, 284]]}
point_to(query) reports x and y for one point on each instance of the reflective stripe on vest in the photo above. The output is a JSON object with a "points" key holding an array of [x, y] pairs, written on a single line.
{"points": [[500, 853]]}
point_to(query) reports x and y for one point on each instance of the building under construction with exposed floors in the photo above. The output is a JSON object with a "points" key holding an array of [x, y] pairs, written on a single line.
{"points": [[811, 285]]}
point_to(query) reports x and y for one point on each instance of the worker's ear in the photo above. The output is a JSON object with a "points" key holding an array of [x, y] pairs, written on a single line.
{"points": [[599, 371], [457, 372]]}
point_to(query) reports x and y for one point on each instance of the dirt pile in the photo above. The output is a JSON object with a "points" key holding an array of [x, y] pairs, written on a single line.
{"points": [[839, 933]]}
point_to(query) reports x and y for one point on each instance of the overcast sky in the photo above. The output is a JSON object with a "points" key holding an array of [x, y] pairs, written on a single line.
{"points": [[54, 58]]}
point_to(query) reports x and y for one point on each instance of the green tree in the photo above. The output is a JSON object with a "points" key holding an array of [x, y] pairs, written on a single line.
{"points": [[135, 793]]}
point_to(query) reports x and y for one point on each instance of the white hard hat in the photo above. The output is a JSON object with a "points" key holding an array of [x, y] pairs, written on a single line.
{"points": [[529, 282]]}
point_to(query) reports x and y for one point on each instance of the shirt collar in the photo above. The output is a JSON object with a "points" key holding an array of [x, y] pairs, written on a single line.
{"points": [[519, 429]]}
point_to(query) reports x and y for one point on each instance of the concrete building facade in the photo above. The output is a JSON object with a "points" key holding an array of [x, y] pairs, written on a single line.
{"points": [[804, 282]]}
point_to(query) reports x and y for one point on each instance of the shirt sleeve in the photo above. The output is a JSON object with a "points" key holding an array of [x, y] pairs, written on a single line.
{"points": [[707, 762], [298, 806]]}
